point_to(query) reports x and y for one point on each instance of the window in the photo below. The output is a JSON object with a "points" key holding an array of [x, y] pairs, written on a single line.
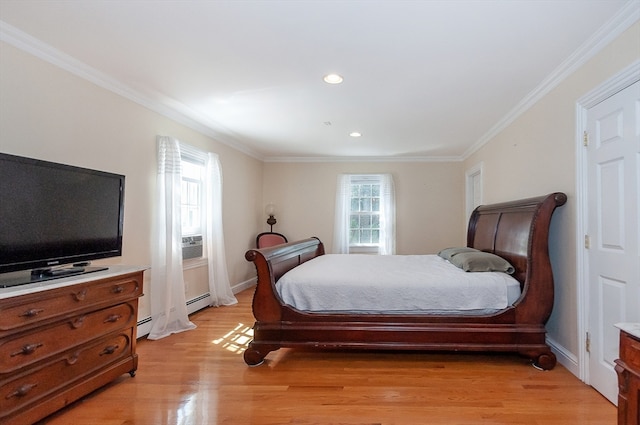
{"points": [[365, 214], [364, 218], [193, 172], [191, 199]]}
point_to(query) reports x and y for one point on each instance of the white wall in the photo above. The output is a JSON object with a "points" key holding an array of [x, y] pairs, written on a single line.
{"points": [[48, 113], [429, 200], [536, 154]]}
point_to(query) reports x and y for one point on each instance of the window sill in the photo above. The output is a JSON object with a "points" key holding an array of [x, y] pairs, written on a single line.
{"points": [[363, 249]]}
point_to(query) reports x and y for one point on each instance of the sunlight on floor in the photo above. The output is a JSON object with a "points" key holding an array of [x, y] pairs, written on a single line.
{"points": [[236, 340]]}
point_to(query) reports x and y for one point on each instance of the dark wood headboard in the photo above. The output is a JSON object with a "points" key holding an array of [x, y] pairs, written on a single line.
{"points": [[519, 232]]}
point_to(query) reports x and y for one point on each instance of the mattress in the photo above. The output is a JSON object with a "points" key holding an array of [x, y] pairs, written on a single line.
{"points": [[394, 284]]}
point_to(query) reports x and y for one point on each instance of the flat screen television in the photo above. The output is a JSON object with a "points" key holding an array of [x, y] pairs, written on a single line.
{"points": [[54, 215]]}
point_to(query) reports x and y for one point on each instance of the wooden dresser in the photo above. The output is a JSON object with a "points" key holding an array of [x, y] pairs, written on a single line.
{"points": [[63, 339], [628, 370]]}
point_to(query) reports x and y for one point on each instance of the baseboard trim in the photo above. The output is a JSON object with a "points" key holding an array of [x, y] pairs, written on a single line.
{"points": [[565, 357], [193, 305], [239, 287]]}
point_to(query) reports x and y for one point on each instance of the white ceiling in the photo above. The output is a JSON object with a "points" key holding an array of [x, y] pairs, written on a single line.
{"points": [[422, 79]]}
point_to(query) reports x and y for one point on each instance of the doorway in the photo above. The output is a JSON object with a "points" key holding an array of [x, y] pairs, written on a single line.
{"points": [[609, 224], [473, 189]]}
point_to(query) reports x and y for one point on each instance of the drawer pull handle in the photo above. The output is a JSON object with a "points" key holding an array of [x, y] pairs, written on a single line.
{"points": [[21, 391], [32, 313], [73, 359], [78, 322], [27, 349], [110, 349], [80, 296], [113, 318], [117, 289]]}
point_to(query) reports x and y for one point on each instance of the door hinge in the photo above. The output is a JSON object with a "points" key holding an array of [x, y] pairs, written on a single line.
{"points": [[587, 241], [588, 343], [585, 138]]}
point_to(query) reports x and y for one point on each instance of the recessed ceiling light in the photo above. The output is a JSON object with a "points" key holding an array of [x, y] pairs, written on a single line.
{"points": [[355, 134], [333, 79]]}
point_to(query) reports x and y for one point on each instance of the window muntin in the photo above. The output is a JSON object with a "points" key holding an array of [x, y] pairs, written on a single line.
{"points": [[364, 216], [191, 196]]}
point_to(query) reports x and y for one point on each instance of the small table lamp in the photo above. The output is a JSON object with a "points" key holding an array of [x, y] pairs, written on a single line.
{"points": [[270, 210]]}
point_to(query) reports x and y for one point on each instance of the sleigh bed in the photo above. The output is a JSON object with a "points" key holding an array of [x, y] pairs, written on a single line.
{"points": [[516, 231]]}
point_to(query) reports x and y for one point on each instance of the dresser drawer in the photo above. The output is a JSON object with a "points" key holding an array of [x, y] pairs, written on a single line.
{"points": [[30, 347], [33, 308], [630, 351], [25, 389]]}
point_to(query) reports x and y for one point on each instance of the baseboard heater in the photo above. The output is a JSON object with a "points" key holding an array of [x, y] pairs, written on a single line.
{"points": [[144, 321], [196, 299], [193, 305]]}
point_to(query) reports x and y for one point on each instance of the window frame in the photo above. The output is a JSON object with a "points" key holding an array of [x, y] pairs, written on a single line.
{"points": [[193, 156], [360, 180]]}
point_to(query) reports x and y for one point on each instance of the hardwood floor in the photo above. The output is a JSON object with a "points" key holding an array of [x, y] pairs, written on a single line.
{"points": [[199, 377]]}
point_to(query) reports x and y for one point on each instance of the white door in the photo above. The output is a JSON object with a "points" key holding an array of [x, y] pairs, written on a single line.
{"points": [[613, 230], [473, 189]]}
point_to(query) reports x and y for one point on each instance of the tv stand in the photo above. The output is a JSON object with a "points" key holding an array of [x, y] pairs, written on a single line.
{"points": [[67, 271], [41, 275], [64, 339], [57, 272]]}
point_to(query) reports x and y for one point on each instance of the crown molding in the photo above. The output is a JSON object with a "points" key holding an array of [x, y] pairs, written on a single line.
{"points": [[180, 113], [619, 23], [626, 77], [168, 107], [335, 159]]}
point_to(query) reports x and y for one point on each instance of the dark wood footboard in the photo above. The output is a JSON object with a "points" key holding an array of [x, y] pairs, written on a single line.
{"points": [[517, 231]]}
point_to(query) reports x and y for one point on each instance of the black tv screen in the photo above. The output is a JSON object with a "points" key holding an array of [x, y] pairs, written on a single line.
{"points": [[54, 214]]}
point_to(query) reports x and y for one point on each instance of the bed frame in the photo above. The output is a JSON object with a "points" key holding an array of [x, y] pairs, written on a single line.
{"points": [[517, 231]]}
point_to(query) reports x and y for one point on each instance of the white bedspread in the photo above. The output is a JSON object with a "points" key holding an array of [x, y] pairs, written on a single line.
{"points": [[393, 284]]}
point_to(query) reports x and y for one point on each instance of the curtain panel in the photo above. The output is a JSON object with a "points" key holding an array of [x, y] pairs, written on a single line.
{"points": [[341, 222], [387, 216], [219, 285], [168, 303]]}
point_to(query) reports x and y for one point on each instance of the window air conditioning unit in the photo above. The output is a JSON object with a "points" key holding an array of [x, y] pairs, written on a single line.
{"points": [[191, 247]]}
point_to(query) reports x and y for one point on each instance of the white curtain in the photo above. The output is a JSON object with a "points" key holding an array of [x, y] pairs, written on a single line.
{"points": [[219, 286], [387, 214], [168, 303], [341, 222]]}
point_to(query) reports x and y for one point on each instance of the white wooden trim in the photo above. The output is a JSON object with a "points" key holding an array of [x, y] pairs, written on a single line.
{"points": [[564, 356], [619, 23], [606, 89], [469, 193]]}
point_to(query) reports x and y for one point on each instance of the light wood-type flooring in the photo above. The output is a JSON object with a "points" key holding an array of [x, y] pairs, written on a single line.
{"points": [[199, 377]]}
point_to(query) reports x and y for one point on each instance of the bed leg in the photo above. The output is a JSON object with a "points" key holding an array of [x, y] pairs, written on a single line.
{"points": [[254, 356], [545, 361]]}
